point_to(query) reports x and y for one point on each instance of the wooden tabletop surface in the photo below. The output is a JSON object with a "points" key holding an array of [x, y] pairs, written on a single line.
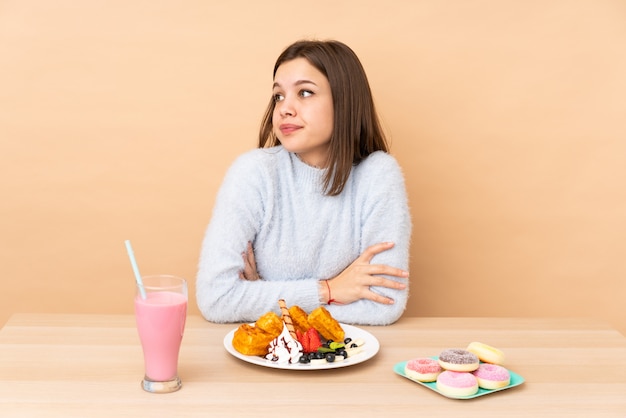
{"points": [[56, 365]]}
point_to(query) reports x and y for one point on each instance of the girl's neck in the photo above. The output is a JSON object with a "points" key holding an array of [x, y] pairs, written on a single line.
{"points": [[310, 165]]}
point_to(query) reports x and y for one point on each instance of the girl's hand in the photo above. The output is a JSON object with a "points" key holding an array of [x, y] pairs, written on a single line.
{"points": [[354, 282], [249, 265]]}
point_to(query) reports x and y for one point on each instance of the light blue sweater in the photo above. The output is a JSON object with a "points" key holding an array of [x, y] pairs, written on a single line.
{"points": [[300, 236]]}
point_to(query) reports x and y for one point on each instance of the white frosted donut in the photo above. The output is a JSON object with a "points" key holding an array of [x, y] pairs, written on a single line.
{"points": [[492, 376], [458, 360], [457, 384], [423, 369], [486, 353]]}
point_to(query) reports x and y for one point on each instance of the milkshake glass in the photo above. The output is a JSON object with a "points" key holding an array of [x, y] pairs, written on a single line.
{"points": [[160, 323]]}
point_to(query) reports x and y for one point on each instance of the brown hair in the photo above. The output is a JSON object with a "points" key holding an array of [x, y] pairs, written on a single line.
{"points": [[356, 132]]}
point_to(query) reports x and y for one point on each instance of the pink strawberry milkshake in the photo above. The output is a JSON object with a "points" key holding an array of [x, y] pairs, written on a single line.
{"points": [[161, 322]]}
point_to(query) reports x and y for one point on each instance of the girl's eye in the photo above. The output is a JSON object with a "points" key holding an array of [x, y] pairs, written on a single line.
{"points": [[306, 93], [278, 97]]}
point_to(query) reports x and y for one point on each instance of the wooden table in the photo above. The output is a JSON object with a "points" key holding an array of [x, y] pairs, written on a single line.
{"points": [[91, 366]]}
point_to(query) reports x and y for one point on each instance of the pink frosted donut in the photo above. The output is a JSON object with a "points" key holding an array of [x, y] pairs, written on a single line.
{"points": [[457, 384], [492, 376], [458, 360], [423, 369]]}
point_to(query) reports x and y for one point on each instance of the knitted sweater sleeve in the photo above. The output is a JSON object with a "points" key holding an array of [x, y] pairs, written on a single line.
{"points": [[238, 213]]}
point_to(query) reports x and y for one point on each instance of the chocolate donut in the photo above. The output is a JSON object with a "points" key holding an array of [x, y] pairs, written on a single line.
{"points": [[458, 360]]}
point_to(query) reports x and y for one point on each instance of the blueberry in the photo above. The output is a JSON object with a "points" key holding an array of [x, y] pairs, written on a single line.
{"points": [[304, 359], [347, 340], [330, 357]]}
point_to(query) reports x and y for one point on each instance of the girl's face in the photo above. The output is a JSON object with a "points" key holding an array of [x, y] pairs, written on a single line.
{"points": [[303, 113]]}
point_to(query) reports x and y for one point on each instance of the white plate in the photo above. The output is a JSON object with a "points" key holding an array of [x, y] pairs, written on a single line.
{"points": [[370, 348]]}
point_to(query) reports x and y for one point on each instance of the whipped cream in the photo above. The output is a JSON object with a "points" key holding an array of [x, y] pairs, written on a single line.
{"points": [[284, 348]]}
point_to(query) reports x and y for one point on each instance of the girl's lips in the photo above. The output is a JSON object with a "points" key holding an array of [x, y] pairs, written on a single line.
{"points": [[288, 128]]}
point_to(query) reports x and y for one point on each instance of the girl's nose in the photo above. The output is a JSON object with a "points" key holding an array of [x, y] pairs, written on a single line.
{"points": [[286, 107]]}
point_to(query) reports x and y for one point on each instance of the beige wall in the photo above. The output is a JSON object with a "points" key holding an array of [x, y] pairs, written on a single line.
{"points": [[119, 118]]}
